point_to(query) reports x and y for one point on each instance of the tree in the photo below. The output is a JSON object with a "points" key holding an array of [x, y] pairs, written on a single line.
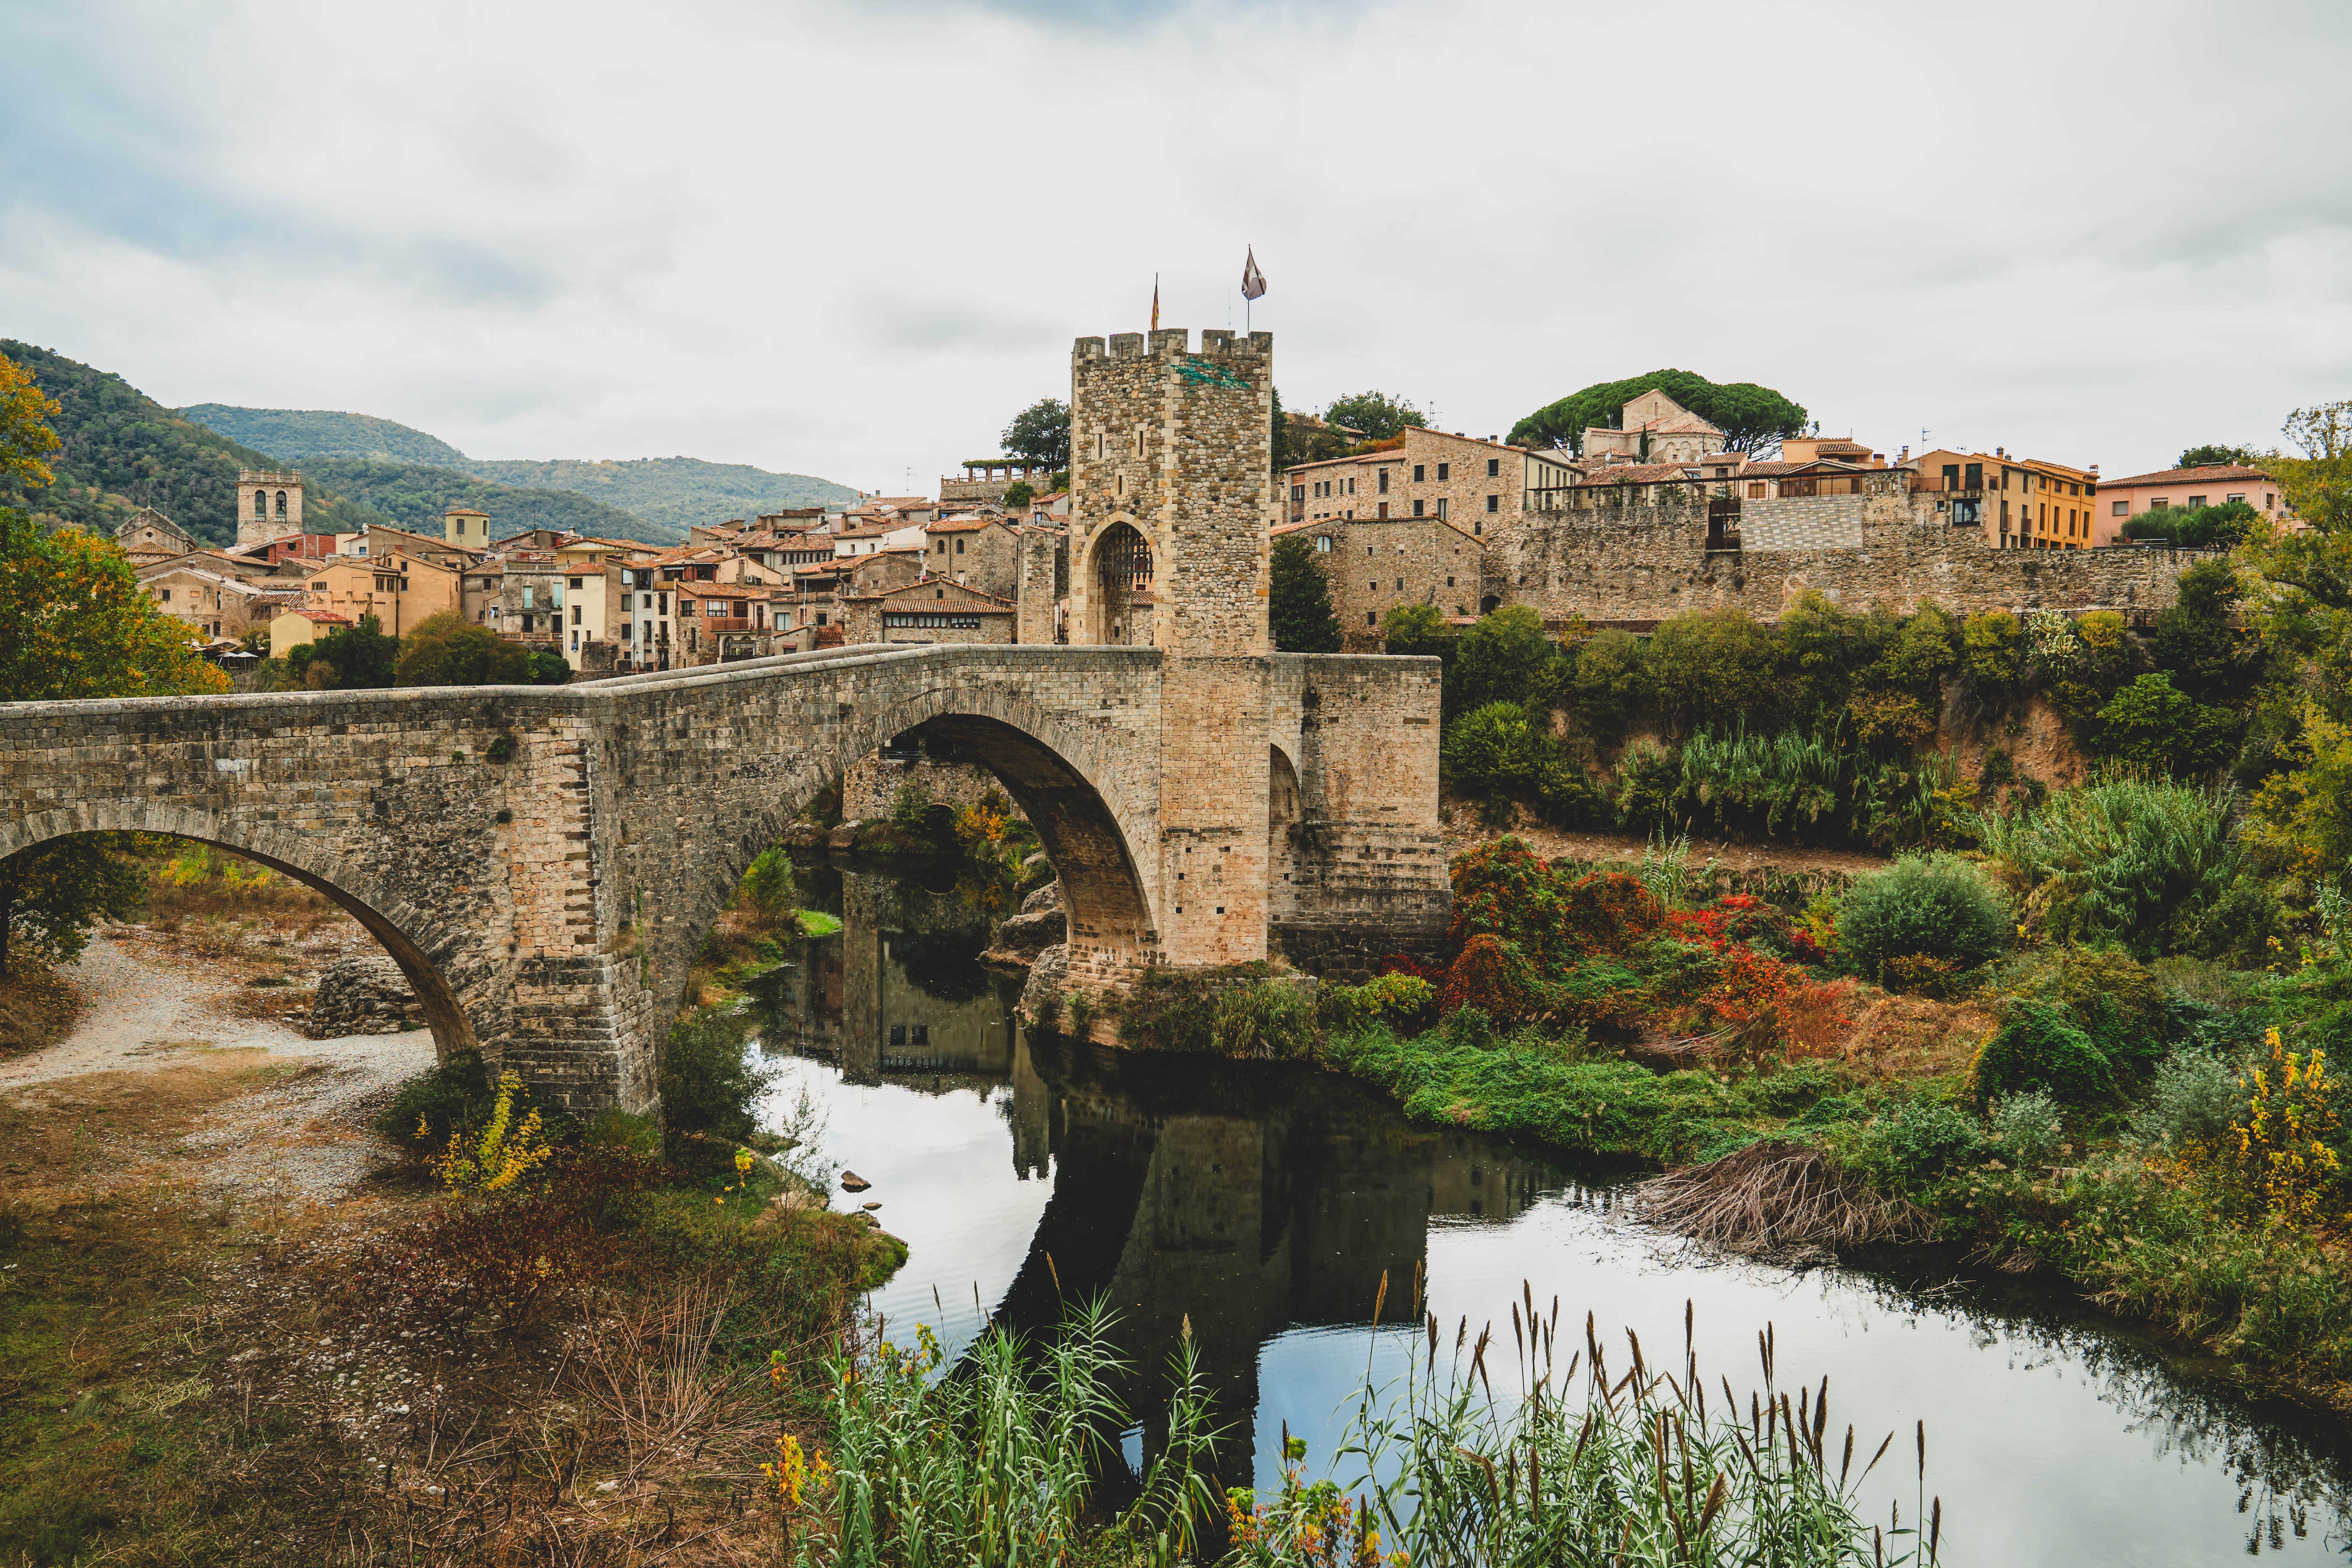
{"points": [[1752, 418], [2216, 453], [2222, 527], [1715, 667], [446, 649], [1379, 416], [1506, 658], [1298, 600], [349, 658], [1040, 435], [549, 668], [1609, 683], [2159, 729], [1018, 494], [76, 624], [26, 438]]}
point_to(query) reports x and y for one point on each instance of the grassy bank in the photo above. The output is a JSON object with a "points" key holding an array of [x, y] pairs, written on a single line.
{"points": [[2166, 1134]]}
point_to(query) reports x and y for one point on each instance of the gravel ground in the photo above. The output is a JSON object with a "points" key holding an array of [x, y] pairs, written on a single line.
{"points": [[304, 1137]]}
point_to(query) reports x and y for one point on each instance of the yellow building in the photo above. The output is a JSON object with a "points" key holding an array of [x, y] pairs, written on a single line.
{"points": [[399, 590]]}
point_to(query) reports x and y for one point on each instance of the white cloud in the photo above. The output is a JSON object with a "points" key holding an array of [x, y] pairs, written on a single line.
{"points": [[853, 240]]}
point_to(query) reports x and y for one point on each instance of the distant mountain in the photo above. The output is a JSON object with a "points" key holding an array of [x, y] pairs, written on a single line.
{"points": [[679, 492], [299, 434], [124, 450], [415, 495], [671, 494]]}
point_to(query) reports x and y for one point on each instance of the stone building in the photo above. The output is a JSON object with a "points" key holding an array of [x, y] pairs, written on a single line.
{"points": [[933, 610], [1663, 540], [1372, 566], [215, 602], [1486, 487], [980, 553], [268, 504], [1654, 428], [465, 526], [985, 480], [150, 529], [399, 590]]}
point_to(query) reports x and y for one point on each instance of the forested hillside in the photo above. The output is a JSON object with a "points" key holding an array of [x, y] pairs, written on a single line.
{"points": [[124, 450], [671, 494], [678, 491], [415, 495], [302, 434]]}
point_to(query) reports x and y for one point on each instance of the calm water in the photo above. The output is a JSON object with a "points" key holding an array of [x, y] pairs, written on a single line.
{"points": [[1265, 1202]]}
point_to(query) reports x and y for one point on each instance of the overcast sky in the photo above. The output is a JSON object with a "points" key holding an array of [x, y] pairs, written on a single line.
{"points": [[853, 240]]}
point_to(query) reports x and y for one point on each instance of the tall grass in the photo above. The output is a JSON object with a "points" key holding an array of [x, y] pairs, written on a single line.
{"points": [[995, 1460], [1578, 1465], [1819, 786], [2127, 860]]}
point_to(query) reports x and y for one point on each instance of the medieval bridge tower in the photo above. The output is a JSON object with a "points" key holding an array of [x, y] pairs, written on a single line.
{"points": [[1171, 470]]}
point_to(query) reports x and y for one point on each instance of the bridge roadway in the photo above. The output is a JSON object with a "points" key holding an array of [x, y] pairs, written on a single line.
{"points": [[543, 861]]}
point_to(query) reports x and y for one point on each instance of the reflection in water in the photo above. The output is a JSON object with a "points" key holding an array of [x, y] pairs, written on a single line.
{"points": [[1264, 1204]]}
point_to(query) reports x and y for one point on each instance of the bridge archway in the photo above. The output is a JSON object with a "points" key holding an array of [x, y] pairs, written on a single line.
{"points": [[1118, 578], [398, 929]]}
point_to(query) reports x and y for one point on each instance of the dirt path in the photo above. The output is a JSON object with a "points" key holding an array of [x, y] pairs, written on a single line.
{"points": [[1463, 831], [284, 1117]]}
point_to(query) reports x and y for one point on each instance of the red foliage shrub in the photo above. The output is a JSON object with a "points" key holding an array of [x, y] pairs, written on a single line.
{"points": [[1503, 890], [1405, 964], [1609, 912], [1496, 978], [1815, 1021]]}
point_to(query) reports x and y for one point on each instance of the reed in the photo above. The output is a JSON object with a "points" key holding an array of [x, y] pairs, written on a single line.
{"points": [[2129, 861], [995, 1460], [1577, 1464]]}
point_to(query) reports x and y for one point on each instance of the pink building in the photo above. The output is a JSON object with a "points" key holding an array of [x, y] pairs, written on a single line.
{"points": [[2123, 499]]}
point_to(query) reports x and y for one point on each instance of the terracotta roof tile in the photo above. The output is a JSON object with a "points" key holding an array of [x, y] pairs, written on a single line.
{"points": [[2210, 473]]}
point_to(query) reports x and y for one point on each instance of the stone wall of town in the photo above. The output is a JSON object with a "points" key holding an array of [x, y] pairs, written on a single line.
{"points": [[1372, 567], [1638, 557]]}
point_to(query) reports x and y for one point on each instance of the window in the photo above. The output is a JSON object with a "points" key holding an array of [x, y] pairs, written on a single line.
{"points": [[1494, 504], [260, 504], [1373, 586], [1384, 481], [1399, 587], [2196, 500], [943, 549], [1369, 619], [2232, 501], [1756, 490], [2269, 501], [281, 506], [575, 584], [1298, 492], [1494, 467], [1323, 544], [2158, 504], [1384, 510], [2122, 509], [167, 595], [1449, 582], [1418, 506], [959, 547], [1444, 472], [526, 598], [1441, 509], [937, 622], [1418, 473], [575, 614]]}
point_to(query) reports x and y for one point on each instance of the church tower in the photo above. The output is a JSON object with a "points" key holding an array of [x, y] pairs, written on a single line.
{"points": [[268, 505]]}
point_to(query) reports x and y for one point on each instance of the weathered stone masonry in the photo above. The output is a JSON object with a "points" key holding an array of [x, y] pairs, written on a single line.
{"points": [[1205, 800], [546, 907]]}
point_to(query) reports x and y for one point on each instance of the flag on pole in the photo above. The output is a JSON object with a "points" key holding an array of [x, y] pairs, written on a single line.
{"points": [[1155, 302], [1252, 281]]}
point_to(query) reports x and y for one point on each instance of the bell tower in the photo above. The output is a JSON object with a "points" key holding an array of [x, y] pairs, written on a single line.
{"points": [[268, 505]]}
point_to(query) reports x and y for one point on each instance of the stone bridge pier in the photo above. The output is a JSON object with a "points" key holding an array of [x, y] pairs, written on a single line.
{"points": [[543, 862]]}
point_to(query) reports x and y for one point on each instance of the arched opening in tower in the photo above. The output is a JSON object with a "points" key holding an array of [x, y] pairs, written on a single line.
{"points": [[1122, 588]]}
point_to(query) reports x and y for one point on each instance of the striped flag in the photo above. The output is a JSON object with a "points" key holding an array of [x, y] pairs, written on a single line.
{"points": [[1252, 281]]}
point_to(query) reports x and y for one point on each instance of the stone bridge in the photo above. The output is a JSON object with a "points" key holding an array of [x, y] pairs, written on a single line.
{"points": [[543, 862]]}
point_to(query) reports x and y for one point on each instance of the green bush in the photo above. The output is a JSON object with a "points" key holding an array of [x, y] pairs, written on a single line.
{"points": [[1938, 905], [2028, 1129], [1390, 998], [2190, 1103], [1918, 1139], [452, 1096], [709, 1087], [1608, 684], [1506, 658], [2040, 1048], [2142, 862]]}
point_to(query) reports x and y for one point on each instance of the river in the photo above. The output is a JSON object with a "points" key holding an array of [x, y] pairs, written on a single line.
{"points": [[1264, 1203]]}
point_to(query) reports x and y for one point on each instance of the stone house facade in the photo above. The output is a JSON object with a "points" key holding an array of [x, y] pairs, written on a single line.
{"points": [[1654, 429], [933, 610], [217, 604], [1485, 487], [983, 552], [1372, 566]]}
